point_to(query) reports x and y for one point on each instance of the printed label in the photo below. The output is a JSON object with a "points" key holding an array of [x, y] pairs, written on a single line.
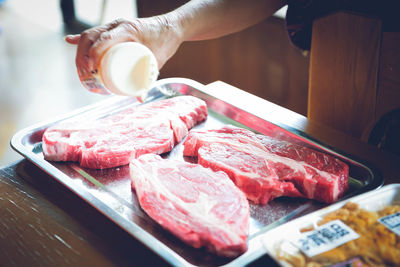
{"points": [[93, 84], [325, 238], [392, 222]]}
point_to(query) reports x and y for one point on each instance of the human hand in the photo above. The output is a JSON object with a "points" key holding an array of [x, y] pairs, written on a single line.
{"points": [[159, 34]]}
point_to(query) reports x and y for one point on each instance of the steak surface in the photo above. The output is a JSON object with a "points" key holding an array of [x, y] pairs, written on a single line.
{"points": [[265, 168], [109, 142], [201, 207]]}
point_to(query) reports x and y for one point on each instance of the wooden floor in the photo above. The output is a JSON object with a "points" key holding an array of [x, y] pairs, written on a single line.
{"points": [[38, 78]]}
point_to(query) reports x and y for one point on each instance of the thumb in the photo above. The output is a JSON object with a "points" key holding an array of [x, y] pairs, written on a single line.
{"points": [[72, 39]]}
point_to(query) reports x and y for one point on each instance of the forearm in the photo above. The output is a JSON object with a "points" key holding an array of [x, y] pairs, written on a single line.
{"points": [[196, 20], [208, 19]]}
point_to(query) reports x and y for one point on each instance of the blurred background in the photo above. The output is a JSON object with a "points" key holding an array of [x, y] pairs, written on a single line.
{"points": [[38, 78]]}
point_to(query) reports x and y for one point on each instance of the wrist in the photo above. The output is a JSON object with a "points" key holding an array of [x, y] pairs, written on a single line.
{"points": [[161, 34]]}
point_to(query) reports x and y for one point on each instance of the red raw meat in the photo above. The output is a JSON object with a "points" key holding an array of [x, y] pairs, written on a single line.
{"points": [[265, 168], [109, 142], [201, 207]]}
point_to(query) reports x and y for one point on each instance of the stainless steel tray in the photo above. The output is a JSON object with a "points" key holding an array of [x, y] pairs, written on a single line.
{"points": [[371, 201], [109, 190]]}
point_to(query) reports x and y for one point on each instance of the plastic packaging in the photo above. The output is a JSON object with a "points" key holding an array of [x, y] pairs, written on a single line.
{"points": [[127, 68]]}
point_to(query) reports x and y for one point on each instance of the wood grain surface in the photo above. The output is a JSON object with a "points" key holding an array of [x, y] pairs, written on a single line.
{"points": [[388, 96], [44, 224], [344, 71]]}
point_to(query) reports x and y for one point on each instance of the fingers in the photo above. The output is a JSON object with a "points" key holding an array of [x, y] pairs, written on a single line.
{"points": [[107, 39], [82, 55], [93, 42], [85, 57], [72, 39]]}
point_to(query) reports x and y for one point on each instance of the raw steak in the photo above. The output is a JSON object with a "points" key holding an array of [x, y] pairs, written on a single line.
{"points": [[201, 207], [264, 168], [109, 142]]}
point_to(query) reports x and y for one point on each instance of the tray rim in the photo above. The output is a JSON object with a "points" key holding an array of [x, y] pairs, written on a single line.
{"points": [[131, 228], [136, 231]]}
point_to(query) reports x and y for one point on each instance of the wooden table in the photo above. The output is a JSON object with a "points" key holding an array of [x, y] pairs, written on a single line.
{"points": [[40, 224]]}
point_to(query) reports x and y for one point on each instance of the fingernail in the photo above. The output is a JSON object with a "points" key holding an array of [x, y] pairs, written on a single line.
{"points": [[69, 36]]}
